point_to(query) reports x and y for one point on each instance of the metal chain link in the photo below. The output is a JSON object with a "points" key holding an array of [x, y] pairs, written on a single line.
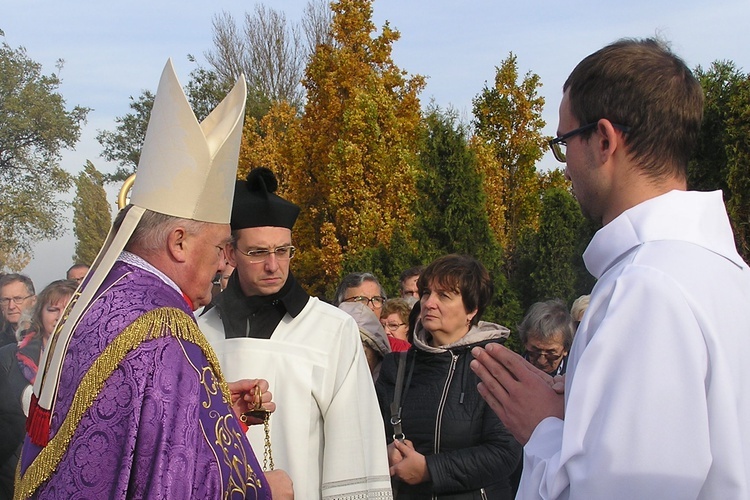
{"points": [[267, 456]]}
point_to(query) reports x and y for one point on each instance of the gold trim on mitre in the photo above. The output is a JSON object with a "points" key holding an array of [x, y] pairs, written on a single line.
{"points": [[186, 169]]}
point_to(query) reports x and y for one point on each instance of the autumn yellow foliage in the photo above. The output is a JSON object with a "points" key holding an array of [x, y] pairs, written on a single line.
{"points": [[350, 159]]}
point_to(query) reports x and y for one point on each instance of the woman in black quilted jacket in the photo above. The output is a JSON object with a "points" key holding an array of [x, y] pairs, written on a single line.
{"points": [[448, 443]]}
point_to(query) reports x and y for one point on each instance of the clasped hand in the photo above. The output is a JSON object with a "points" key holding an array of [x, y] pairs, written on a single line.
{"points": [[520, 394], [406, 463]]}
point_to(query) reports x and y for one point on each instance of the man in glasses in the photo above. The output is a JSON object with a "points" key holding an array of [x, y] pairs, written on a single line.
{"points": [[16, 297], [546, 333], [655, 402], [326, 431]]}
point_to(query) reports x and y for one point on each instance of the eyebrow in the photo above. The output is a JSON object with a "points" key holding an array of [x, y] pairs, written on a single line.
{"points": [[258, 247]]}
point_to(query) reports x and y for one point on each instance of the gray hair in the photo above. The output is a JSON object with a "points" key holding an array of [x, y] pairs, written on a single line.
{"points": [[153, 229], [353, 280], [21, 278], [545, 319]]}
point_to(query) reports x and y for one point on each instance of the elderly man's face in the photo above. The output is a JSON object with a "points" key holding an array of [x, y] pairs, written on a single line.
{"points": [[14, 300], [545, 354], [206, 259]]}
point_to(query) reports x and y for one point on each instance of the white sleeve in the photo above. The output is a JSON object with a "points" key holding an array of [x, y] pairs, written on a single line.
{"points": [[636, 415], [355, 462]]}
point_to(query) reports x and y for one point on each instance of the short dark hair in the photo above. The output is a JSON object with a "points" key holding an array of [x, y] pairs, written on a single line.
{"points": [[641, 84], [463, 274], [74, 267], [409, 273], [15, 277]]}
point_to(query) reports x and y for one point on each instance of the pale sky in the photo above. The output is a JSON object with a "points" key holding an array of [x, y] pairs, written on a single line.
{"points": [[113, 50]]}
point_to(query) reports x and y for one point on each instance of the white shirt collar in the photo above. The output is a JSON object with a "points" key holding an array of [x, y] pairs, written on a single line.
{"points": [[691, 216]]}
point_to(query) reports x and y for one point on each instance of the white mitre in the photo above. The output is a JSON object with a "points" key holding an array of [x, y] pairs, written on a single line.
{"points": [[187, 169]]}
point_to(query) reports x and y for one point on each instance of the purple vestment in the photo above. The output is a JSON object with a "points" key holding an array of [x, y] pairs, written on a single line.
{"points": [[158, 427]]}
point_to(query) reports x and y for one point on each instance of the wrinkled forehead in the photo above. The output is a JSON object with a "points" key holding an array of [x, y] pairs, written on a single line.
{"points": [[537, 340], [14, 288]]}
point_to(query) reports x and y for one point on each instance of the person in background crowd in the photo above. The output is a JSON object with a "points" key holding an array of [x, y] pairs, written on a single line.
{"points": [[408, 283], [546, 334], [224, 277], [2, 316], [374, 340], [579, 308], [361, 287], [18, 368], [326, 430], [451, 444], [656, 402], [16, 296], [77, 272], [394, 317]]}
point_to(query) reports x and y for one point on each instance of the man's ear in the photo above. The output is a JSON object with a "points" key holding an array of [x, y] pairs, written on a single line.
{"points": [[177, 244], [608, 140], [231, 255]]}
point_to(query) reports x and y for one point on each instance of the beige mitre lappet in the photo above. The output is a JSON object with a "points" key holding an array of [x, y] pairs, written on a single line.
{"points": [[187, 169]]}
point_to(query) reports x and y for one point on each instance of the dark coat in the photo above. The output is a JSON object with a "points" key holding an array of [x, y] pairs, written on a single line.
{"points": [[469, 453], [12, 418]]}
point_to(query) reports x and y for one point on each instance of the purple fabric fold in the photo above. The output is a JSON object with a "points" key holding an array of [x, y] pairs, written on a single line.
{"points": [[159, 428]]}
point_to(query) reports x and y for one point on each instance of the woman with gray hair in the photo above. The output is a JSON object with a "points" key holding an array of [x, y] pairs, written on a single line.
{"points": [[546, 333], [363, 288]]}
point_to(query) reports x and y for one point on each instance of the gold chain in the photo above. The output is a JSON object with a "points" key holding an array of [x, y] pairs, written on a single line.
{"points": [[258, 411], [267, 456]]}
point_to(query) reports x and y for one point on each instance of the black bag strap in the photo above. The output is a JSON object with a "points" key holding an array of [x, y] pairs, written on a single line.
{"points": [[396, 404]]}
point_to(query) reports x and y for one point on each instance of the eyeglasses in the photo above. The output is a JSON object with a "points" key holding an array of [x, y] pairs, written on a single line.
{"points": [[549, 356], [393, 326], [559, 143], [260, 255], [377, 301], [16, 300]]}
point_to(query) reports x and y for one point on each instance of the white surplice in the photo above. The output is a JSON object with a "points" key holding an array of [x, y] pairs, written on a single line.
{"points": [[327, 432], [657, 397]]}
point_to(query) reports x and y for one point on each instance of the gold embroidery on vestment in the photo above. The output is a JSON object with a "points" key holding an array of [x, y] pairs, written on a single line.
{"points": [[158, 323]]}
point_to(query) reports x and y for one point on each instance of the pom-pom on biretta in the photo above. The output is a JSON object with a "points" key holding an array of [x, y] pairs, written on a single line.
{"points": [[264, 175], [257, 205]]}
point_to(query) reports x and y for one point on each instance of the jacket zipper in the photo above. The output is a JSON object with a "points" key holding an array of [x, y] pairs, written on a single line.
{"points": [[441, 405]]}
